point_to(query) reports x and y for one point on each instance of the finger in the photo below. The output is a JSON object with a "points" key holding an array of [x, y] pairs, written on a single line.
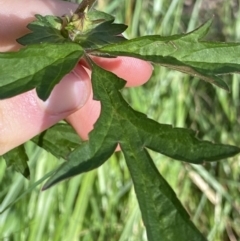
{"points": [[134, 71], [24, 116]]}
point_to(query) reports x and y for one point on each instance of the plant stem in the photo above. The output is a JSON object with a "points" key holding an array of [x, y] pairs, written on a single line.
{"points": [[84, 5], [88, 61]]}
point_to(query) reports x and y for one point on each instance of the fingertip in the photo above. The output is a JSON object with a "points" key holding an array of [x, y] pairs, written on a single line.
{"points": [[135, 71], [70, 94], [139, 71]]}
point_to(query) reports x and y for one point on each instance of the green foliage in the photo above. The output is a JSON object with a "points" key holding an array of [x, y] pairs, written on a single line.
{"points": [[185, 53], [45, 29], [61, 135], [163, 214], [95, 31], [98, 29], [120, 124], [51, 59], [18, 159], [142, 169]]}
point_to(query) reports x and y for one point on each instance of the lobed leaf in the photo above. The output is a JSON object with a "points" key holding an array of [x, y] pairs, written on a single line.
{"points": [[120, 124], [103, 34], [184, 52], [20, 72], [45, 29]]}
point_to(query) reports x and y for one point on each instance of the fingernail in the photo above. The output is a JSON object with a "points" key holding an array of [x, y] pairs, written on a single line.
{"points": [[70, 94]]}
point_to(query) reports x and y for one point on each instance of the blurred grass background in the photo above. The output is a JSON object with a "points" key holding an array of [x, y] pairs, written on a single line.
{"points": [[101, 205]]}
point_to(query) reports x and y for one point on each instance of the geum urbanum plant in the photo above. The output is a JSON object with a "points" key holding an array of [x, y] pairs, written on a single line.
{"points": [[57, 44]]}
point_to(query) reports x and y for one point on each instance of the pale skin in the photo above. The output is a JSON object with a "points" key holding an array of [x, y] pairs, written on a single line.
{"points": [[24, 116]]}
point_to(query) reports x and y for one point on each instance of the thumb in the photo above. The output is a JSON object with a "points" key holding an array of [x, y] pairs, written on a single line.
{"points": [[24, 116], [69, 95]]}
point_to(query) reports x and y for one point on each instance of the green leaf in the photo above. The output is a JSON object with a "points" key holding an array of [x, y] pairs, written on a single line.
{"points": [[120, 124], [17, 158], [95, 16], [45, 29], [94, 29], [104, 34], [58, 140], [163, 215], [185, 52], [46, 65]]}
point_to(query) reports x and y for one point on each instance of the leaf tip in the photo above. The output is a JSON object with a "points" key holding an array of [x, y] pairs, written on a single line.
{"points": [[201, 31], [220, 83], [46, 186]]}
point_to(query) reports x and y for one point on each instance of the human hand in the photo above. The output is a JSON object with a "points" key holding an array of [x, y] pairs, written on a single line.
{"points": [[24, 116]]}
